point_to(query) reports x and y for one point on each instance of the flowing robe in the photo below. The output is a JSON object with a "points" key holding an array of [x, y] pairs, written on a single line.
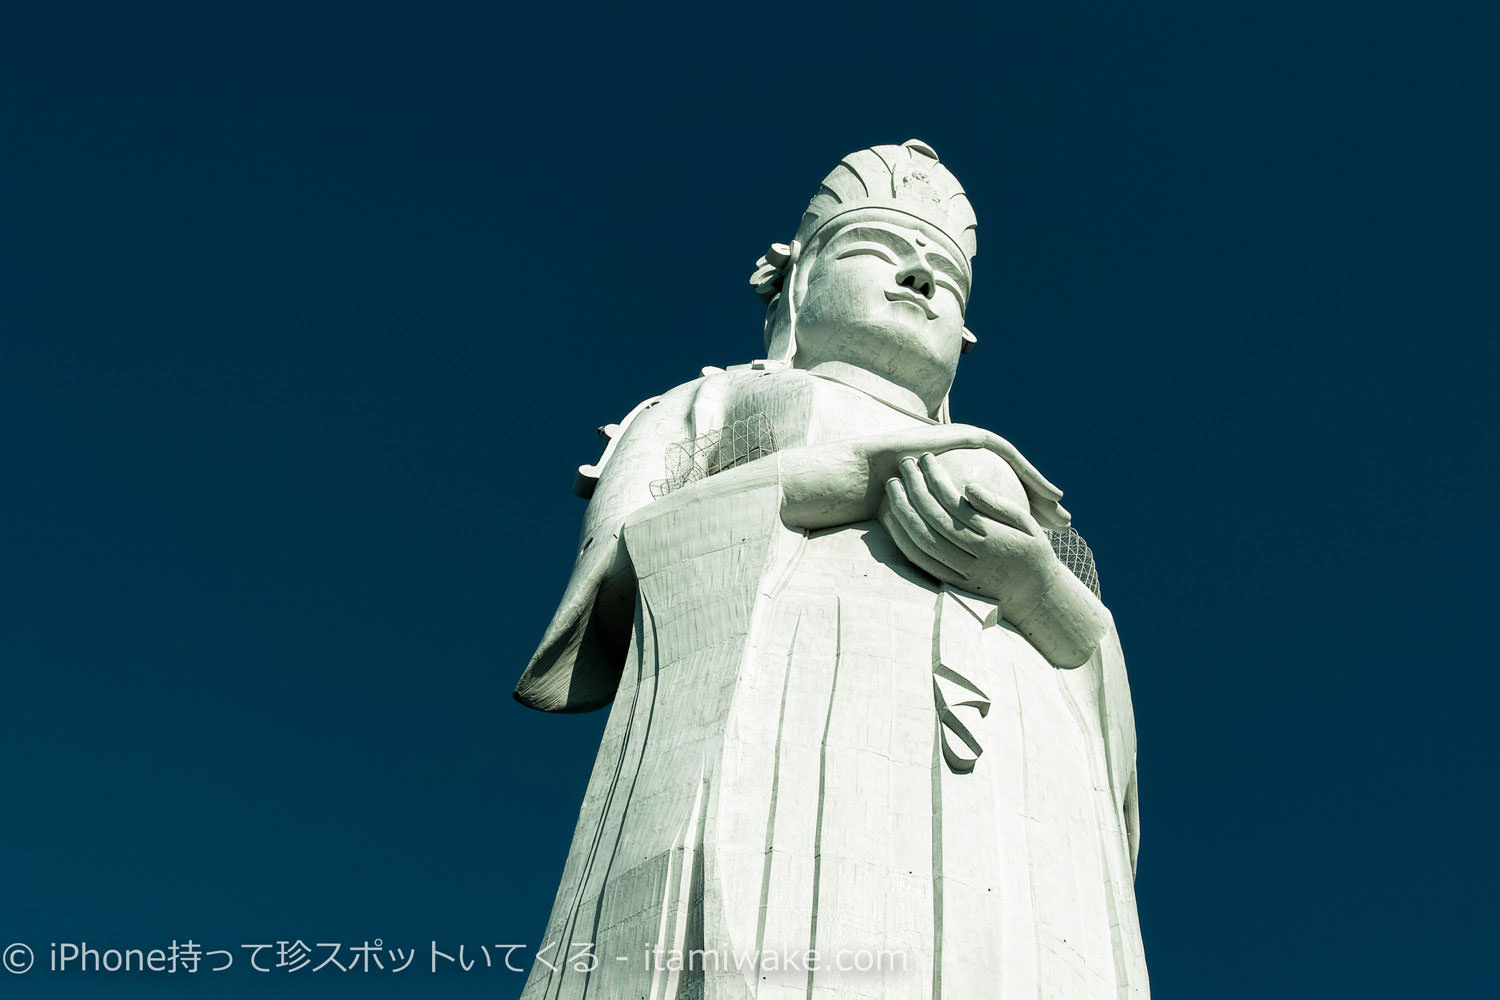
{"points": [[825, 774]]}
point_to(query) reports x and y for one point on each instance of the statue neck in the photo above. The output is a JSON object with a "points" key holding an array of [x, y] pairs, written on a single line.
{"points": [[888, 392]]}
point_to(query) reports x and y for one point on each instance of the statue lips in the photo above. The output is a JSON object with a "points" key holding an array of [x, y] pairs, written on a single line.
{"points": [[902, 295]]}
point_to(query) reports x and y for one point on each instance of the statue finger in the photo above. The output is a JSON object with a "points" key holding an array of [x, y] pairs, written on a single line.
{"points": [[947, 493], [921, 533], [992, 506], [915, 554], [934, 513]]}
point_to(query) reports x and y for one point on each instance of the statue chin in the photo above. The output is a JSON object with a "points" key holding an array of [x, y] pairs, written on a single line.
{"points": [[896, 350]]}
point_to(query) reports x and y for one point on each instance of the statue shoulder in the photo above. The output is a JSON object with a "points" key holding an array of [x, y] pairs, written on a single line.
{"points": [[677, 415], [657, 418]]}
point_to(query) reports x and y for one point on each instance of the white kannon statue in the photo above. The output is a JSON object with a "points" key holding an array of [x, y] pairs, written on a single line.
{"points": [[870, 736]]}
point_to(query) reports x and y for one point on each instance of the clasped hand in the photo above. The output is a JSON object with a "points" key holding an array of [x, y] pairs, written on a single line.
{"points": [[969, 537]]}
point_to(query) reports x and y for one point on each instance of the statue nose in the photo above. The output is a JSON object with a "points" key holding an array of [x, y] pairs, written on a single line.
{"points": [[917, 277]]}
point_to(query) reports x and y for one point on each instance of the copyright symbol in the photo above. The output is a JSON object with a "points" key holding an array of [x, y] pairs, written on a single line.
{"points": [[18, 958]]}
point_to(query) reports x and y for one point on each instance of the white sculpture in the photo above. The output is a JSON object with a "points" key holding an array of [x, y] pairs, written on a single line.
{"points": [[861, 709]]}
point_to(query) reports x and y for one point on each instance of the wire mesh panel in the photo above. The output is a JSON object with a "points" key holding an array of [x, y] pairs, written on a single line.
{"points": [[1075, 554], [732, 445]]}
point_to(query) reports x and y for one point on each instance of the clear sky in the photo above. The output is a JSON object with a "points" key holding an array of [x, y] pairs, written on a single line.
{"points": [[308, 312]]}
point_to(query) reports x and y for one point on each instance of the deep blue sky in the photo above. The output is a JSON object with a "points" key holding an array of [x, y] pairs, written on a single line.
{"points": [[309, 311]]}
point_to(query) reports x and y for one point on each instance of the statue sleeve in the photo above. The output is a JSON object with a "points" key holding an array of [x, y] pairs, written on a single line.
{"points": [[1118, 718], [577, 666]]}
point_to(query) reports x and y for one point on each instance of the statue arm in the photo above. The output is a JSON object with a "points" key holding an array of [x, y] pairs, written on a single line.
{"points": [[827, 485], [1005, 556], [1117, 714], [576, 667], [1067, 623]]}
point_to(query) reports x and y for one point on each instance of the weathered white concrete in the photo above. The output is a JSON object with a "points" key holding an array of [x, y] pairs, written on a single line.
{"points": [[859, 707]]}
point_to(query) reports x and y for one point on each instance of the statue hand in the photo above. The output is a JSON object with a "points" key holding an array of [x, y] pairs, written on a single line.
{"points": [[972, 537], [990, 544]]}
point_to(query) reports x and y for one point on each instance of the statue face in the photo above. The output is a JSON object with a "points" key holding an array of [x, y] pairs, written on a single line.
{"points": [[886, 296]]}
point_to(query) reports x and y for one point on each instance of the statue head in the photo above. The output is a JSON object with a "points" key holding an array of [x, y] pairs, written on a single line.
{"points": [[877, 279]]}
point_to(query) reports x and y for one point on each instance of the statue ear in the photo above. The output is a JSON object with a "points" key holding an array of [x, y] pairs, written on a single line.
{"points": [[774, 281], [781, 316], [779, 345], [969, 341]]}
